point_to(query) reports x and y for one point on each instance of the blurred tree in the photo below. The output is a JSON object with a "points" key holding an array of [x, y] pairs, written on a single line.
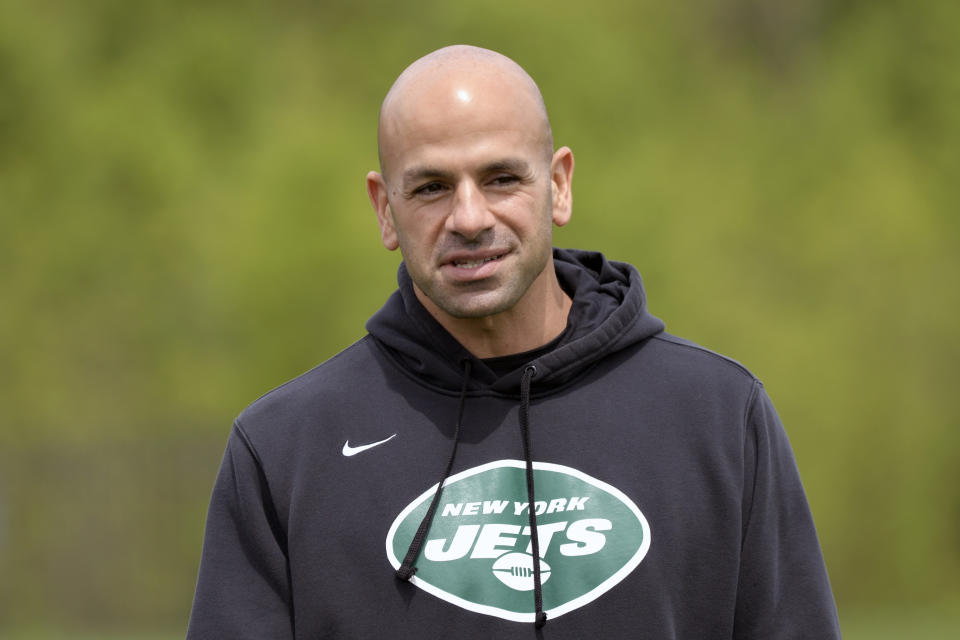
{"points": [[184, 226]]}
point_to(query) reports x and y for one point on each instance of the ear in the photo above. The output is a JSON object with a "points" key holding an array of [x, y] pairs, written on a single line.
{"points": [[561, 178], [377, 191]]}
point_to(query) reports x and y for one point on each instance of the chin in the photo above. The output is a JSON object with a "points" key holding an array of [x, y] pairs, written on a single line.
{"points": [[474, 312], [480, 305]]}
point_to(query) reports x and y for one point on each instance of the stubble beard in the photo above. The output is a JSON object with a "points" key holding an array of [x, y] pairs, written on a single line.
{"points": [[475, 300]]}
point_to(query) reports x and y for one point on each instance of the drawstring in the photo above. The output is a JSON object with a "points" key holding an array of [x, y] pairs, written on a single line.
{"points": [[540, 617], [406, 570]]}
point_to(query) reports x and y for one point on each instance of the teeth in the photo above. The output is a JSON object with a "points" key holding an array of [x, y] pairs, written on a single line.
{"points": [[473, 264]]}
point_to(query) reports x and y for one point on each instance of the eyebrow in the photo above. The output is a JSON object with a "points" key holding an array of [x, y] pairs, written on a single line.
{"points": [[415, 175]]}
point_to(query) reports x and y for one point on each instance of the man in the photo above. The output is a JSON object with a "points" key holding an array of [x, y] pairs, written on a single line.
{"points": [[602, 478]]}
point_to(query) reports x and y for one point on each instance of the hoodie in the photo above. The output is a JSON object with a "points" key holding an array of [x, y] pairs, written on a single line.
{"points": [[620, 483]]}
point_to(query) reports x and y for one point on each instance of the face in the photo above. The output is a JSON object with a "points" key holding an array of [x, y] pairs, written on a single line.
{"points": [[469, 195]]}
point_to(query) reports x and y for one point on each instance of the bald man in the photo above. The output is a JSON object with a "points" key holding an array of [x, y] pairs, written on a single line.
{"points": [[516, 441]]}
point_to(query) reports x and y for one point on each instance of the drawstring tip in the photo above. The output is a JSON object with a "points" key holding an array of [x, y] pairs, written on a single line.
{"points": [[405, 573], [541, 620]]}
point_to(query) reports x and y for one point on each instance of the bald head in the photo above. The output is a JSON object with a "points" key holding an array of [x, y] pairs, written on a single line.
{"points": [[460, 88]]}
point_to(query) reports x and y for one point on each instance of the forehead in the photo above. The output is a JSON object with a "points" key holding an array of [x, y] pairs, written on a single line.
{"points": [[471, 151], [467, 116]]}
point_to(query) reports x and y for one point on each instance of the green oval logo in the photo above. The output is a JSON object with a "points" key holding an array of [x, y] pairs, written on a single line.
{"points": [[477, 554]]}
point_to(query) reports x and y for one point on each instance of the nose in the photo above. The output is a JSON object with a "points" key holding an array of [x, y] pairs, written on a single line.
{"points": [[470, 215]]}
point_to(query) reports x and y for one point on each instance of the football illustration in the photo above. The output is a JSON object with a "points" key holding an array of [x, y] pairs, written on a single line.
{"points": [[516, 571]]}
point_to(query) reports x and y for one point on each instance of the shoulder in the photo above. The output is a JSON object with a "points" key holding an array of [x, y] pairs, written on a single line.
{"points": [[305, 397], [684, 374], [684, 353], [681, 358]]}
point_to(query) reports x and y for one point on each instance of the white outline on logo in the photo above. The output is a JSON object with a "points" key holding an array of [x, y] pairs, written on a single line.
{"points": [[566, 607], [352, 451]]}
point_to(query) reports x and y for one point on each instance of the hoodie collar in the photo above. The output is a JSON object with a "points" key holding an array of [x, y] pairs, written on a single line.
{"points": [[608, 314]]}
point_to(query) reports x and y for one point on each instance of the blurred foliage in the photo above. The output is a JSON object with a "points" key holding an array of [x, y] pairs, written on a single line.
{"points": [[184, 226]]}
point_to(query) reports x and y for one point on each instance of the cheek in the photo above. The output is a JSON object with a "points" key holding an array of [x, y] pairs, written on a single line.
{"points": [[539, 219], [416, 234], [524, 211]]}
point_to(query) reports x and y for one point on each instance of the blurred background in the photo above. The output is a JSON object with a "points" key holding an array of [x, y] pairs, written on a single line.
{"points": [[183, 226]]}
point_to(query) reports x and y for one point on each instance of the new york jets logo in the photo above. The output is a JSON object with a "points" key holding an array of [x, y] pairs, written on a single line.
{"points": [[478, 552]]}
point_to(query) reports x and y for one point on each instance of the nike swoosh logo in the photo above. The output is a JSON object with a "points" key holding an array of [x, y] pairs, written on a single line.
{"points": [[352, 451]]}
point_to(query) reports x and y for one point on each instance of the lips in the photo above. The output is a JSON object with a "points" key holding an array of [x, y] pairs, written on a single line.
{"points": [[473, 264]]}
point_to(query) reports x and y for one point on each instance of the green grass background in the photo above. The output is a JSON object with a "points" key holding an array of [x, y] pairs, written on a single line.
{"points": [[183, 226]]}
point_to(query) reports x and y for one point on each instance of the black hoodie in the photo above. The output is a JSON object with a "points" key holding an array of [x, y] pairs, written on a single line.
{"points": [[666, 500]]}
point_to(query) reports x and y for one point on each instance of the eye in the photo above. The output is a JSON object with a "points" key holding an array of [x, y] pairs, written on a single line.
{"points": [[504, 180], [430, 189]]}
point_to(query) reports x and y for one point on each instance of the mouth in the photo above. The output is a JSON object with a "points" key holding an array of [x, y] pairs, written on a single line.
{"points": [[474, 266], [474, 263]]}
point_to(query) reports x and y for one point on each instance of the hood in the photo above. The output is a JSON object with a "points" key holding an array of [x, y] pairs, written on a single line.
{"points": [[609, 313]]}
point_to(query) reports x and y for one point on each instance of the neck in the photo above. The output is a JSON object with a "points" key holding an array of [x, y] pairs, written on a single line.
{"points": [[539, 317]]}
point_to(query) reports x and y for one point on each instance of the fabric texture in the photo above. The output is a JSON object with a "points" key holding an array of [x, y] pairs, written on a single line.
{"points": [[668, 501]]}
